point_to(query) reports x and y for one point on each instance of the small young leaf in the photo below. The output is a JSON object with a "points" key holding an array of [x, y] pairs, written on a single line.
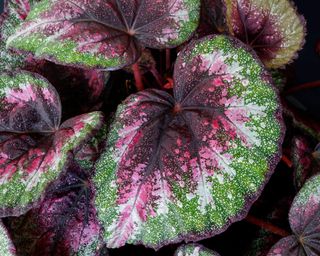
{"points": [[194, 250], [272, 28], [302, 122], [186, 166], [80, 90], [105, 34], [6, 246], [303, 161], [304, 218], [33, 145]]}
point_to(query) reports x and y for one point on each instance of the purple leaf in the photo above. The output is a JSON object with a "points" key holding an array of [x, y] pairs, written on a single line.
{"points": [[184, 167], [6, 246], [287, 246], [105, 34], [272, 28], [34, 146], [64, 223], [194, 250], [304, 218]]}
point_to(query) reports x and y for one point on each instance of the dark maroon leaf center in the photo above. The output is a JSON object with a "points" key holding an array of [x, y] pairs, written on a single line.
{"points": [[258, 29]]}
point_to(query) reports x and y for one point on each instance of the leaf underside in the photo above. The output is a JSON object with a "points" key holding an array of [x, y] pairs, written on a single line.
{"points": [[105, 34], [184, 167], [272, 28], [34, 146], [304, 218], [194, 250]]}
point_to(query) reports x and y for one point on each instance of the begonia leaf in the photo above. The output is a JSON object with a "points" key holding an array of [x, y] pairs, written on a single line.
{"points": [[14, 13], [184, 167], [105, 34], [33, 145], [6, 246], [272, 28], [194, 250], [64, 223], [304, 218], [29, 104]]}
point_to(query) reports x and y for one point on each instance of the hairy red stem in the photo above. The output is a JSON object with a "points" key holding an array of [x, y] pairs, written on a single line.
{"points": [[287, 161], [137, 76], [157, 76], [315, 84], [267, 226]]}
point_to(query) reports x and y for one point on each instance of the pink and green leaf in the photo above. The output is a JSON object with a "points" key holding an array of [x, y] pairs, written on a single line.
{"points": [[184, 167], [29, 104], [272, 28], [6, 246], [34, 146], [304, 218], [64, 223], [106, 34], [194, 250], [15, 12]]}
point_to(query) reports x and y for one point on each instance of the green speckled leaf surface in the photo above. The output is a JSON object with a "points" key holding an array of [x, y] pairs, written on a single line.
{"points": [[184, 167], [33, 145], [6, 246], [106, 34], [272, 28], [194, 250]]}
